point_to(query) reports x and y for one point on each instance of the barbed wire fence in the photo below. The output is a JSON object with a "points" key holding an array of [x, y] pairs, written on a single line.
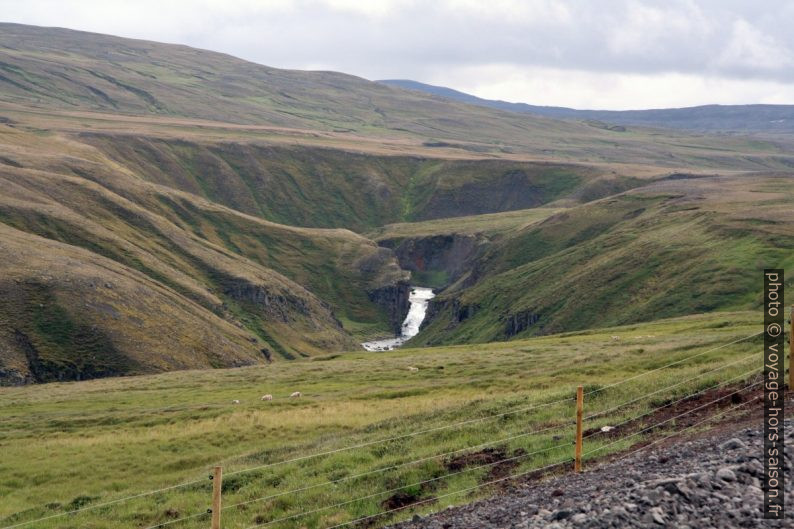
{"points": [[556, 451]]}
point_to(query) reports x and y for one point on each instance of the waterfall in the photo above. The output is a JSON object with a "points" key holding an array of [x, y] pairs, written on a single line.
{"points": [[418, 299]]}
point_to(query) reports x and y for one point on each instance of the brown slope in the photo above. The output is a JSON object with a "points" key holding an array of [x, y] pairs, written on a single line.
{"points": [[55, 68], [70, 314], [194, 249]]}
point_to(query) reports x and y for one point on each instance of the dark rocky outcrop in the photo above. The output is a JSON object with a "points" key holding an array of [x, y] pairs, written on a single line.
{"points": [[277, 306], [520, 322], [436, 260], [13, 377], [455, 310], [394, 300]]}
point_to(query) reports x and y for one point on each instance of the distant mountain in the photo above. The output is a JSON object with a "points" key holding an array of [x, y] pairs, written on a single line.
{"points": [[707, 118], [61, 70]]}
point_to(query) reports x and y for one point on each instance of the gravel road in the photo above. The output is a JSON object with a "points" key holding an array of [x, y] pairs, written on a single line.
{"points": [[710, 482]]}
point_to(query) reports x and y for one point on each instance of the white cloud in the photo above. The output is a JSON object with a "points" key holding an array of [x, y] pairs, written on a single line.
{"points": [[650, 30], [594, 90], [534, 12], [750, 49], [617, 54], [368, 8]]}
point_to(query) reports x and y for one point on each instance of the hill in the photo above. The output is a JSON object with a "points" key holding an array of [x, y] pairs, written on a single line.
{"points": [[712, 118], [68, 71], [679, 245], [283, 291], [272, 215]]}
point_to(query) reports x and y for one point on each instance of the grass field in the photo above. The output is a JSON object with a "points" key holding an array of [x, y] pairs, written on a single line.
{"points": [[71, 445], [488, 224]]}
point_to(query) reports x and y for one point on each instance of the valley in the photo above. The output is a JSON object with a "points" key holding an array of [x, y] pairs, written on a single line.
{"points": [[333, 287], [230, 228]]}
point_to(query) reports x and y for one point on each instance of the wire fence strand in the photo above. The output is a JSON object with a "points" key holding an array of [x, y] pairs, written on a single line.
{"points": [[682, 399], [104, 504], [404, 436], [668, 420], [453, 493], [413, 505], [178, 520], [678, 433], [690, 357], [402, 465], [380, 441], [646, 395], [417, 484]]}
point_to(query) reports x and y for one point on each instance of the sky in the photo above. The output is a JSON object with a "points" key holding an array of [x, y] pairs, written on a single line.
{"points": [[604, 54]]}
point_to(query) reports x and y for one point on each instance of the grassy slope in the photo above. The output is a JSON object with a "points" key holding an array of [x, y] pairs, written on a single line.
{"points": [[207, 254], [307, 186], [490, 224], [674, 247], [116, 437], [68, 70], [67, 313]]}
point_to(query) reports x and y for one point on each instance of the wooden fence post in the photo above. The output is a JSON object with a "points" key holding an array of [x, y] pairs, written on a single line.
{"points": [[217, 484], [577, 466], [791, 352]]}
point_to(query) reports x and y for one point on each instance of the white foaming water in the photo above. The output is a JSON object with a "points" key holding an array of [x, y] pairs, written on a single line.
{"points": [[418, 299]]}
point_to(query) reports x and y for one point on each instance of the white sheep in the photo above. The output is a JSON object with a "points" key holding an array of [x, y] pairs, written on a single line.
{"points": [[296, 394], [615, 338], [235, 401], [412, 368], [267, 397]]}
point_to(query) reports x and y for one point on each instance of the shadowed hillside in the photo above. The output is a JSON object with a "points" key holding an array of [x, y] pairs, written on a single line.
{"points": [[334, 188]]}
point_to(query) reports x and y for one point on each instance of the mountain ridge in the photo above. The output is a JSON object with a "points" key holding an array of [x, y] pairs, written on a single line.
{"points": [[711, 117]]}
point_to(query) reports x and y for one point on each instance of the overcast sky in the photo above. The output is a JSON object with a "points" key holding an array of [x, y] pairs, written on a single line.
{"points": [[614, 54]]}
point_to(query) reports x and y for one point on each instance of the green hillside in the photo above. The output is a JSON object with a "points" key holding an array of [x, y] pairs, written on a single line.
{"points": [[321, 187], [671, 248], [284, 291], [270, 214], [66, 70]]}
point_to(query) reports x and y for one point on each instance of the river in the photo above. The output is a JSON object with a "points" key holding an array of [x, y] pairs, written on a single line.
{"points": [[419, 298]]}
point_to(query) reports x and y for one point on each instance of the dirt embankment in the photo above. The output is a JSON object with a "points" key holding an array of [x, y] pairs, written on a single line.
{"points": [[711, 479]]}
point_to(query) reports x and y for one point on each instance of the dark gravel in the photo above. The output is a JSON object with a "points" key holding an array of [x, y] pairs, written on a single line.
{"points": [[713, 482]]}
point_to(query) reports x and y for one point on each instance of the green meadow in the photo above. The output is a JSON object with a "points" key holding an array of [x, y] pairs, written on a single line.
{"points": [[68, 446]]}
